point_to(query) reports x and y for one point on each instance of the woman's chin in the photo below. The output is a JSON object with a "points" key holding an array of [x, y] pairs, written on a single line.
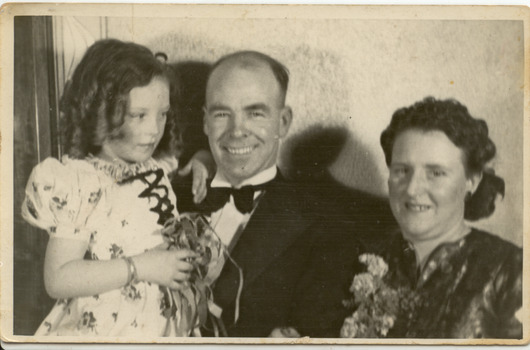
{"points": [[415, 232]]}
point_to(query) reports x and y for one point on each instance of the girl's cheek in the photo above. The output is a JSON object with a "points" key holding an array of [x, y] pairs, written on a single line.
{"points": [[396, 185]]}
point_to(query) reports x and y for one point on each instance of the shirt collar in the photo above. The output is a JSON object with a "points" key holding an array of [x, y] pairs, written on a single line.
{"points": [[266, 175]]}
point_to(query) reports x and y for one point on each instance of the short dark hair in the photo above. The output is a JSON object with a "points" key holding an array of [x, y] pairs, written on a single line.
{"points": [[248, 57], [467, 133], [95, 100]]}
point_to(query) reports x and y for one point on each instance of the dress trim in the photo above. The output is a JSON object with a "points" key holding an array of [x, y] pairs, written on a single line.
{"points": [[120, 170]]}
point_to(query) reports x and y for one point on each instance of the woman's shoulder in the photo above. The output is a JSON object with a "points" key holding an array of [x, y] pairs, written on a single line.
{"points": [[490, 252], [489, 243]]}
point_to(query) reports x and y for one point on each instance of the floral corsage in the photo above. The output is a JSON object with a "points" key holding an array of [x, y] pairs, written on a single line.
{"points": [[187, 309], [378, 307]]}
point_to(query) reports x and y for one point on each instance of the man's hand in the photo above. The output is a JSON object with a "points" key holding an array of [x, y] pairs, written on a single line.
{"points": [[202, 167], [284, 332]]}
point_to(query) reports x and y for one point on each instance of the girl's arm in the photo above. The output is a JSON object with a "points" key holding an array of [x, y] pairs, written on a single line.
{"points": [[202, 166], [67, 274]]}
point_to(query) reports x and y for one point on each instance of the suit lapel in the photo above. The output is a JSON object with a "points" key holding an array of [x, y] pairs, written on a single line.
{"points": [[274, 226]]}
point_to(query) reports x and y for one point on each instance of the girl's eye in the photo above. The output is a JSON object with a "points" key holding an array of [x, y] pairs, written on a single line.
{"points": [[138, 115]]}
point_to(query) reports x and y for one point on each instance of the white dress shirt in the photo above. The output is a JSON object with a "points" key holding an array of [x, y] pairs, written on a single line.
{"points": [[228, 221]]}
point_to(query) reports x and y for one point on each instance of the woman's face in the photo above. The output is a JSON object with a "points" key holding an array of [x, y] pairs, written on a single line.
{"points": [[143, 125], [427, 184]]}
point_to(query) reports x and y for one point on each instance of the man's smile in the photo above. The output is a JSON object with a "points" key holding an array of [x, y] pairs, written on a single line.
{"points": [[240, 150]]}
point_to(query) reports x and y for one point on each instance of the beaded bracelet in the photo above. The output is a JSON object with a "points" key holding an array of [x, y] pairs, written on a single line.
{"points": [[132, 272]]}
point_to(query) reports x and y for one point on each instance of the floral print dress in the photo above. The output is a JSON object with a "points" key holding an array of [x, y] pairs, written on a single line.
{"points": [[118, 210]]}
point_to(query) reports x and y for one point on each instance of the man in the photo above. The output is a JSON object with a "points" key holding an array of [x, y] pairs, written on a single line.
{"points": [[297, 266]]}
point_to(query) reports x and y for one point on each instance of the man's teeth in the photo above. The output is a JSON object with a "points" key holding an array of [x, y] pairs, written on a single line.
{"points": [[417, 207], [242, 150]]}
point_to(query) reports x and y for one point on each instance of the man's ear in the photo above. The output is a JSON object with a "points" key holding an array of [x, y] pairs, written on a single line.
{"points": [[204, 123], [286, 117], [473, 181]]}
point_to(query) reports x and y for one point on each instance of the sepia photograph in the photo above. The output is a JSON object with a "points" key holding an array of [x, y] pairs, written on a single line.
{"points": [[264, 174]]}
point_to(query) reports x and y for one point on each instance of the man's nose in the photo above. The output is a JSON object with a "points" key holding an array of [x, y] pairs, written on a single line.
{"points": [[416, 184], [238, 126]]}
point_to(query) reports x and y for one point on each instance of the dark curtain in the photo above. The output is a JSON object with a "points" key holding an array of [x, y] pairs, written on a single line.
{"points": [[35, 138]]}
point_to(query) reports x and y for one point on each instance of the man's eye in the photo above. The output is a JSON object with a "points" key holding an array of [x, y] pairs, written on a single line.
{"points": [[220, 115], [437, 173], [399, 170], [257, 114]]}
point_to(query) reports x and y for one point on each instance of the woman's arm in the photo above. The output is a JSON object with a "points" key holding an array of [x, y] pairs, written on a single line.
{"points": [[67, 274], [507, 298]]}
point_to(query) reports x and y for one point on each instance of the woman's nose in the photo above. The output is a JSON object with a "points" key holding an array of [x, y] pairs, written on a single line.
{"points": [[416, 184]]}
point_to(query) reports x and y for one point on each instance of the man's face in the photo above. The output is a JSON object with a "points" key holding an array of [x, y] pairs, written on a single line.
{"points": [[245, 118]]}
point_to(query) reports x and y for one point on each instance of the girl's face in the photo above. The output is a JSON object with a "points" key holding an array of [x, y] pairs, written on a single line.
{"points": [[143, 125], [427, 184]]}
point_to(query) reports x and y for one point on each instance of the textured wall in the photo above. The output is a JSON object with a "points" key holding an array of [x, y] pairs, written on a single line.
{"points": [[348, 76]]}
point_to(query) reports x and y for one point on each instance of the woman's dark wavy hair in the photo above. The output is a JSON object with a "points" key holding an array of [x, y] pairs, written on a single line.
{"points": [[95, 100], [467, 133]]}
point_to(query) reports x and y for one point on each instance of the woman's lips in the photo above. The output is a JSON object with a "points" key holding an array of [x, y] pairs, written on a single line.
{"points": [[417, 207]]}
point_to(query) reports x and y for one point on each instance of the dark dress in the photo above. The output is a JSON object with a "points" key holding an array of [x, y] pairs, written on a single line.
{"points": [[471, 288]]}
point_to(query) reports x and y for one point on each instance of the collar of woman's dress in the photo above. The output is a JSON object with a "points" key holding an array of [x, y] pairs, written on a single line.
{"points": [[439, 258]]}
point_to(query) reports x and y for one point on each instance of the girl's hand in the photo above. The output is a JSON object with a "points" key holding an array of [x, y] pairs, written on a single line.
{"points": [[202, 167], [169, 268]]}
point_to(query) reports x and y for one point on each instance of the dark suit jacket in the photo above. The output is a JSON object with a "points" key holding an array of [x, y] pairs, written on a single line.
{"points": [[298, 263]]}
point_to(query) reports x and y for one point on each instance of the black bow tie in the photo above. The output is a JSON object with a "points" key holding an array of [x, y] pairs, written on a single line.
{"points": [[217, 197]]}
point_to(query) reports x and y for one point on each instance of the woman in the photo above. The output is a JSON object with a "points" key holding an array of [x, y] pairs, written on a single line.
{"points": [[468, 281]]}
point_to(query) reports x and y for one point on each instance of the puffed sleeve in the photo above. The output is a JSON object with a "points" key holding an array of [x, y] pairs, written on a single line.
{"points": [[61, 196]]}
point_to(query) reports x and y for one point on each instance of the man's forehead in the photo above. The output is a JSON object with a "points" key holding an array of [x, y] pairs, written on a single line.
{"points": [[243, 78], [236, 66]]}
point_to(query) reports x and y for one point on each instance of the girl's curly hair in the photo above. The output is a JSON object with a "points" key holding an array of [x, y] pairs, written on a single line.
{"points": [[95, 100], [467, 133]]}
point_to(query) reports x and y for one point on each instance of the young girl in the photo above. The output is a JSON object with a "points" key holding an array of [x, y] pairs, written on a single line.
{"points": [[104, 204]]}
